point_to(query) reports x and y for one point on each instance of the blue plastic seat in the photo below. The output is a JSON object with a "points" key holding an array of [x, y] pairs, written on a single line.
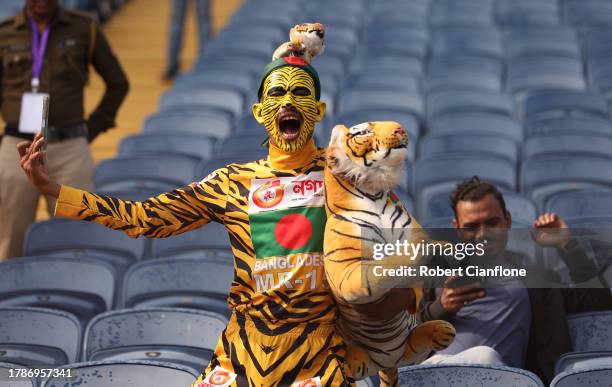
{"points": [[7, 370], [517, 13], [137, 373], [222, 160], [401, 81], [217, 78], [455, 375], [567, 145], [601, 376], [591, 331], [193, 283], [399, 40], [198, 147], [477, 123], [464, 14], [527, 75], [210, 241], [356, 99], [581, 203], [38, 337], [573, 361], [479, 144], [569, 125], [250, 142], [542, 178], [565, 103], [440, 64], [469, 101], [549, 40], [216, 98], [180, 336], [462, 80], [214, 124], [77, 239], [385, 63], [75, 285], [482, 41], [146, 171]]}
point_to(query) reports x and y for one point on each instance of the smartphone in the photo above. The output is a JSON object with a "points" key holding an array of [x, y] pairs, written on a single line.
{"points": [[464, 281], [44, 125]]}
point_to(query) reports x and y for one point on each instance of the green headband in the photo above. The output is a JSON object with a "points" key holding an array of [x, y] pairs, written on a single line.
{"points": [[290, 61]]}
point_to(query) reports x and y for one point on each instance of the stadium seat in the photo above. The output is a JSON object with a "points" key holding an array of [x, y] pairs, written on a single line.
{"points": [[38, 337], [517, 13], [601, 376], [578, 203], [591, 331], [180, 336], [220, 99], [467, 13], [468, 144], [477, 123], [569, 125], [208, 241], [7, 370], [145, 171], [76, 285], [573, 361], [541, 178], [567, 145], [81, 239], [137, 373], [220, 161], [214, 124], [550, 40], [398, 40], [441, 64], [249, 142], [244, 83], [566, 103], [455, 375], [376, 80], [384, 63], [461, 80], [195, 146], [469, 101], [405, 102], [193, 283]]}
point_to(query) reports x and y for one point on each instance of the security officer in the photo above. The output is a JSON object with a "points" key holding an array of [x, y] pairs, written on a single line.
{"points": [[47, 49]]}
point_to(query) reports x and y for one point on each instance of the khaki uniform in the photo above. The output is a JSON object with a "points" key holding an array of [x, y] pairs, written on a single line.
{"points": [[75, 42]]}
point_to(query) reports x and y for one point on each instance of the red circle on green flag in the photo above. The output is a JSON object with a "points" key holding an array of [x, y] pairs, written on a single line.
{"points": [[293, 231]]}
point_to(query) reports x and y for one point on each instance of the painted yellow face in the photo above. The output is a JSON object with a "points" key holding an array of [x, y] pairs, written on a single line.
{"points": [[288, 108]]}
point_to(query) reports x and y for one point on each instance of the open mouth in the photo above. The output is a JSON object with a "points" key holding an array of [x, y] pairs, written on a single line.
{"points": [[289, 123]]}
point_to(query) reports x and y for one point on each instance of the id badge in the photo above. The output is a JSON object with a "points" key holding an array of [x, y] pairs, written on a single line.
{"points": [[34, 113]]}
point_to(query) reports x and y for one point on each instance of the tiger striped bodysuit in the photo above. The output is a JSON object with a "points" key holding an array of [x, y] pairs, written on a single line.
{"points": [[281, 330]]}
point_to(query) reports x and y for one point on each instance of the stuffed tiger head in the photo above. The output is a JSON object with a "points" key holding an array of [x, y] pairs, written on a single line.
{"points": [[370, 155]]}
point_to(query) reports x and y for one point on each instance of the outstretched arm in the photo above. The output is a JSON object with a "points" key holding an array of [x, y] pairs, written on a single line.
{"points": [[168, 214]]}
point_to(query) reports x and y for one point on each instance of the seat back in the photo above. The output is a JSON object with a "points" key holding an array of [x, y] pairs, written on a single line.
{"points": [[466, 375], [203, 122], [600, 376], [38, 336], [591, 331]]}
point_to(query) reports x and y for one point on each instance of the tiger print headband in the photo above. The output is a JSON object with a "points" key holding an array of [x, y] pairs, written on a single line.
{"points": [[290, 61]]}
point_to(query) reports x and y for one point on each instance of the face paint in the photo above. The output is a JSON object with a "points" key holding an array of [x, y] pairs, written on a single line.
{"points": [[289, 109]]}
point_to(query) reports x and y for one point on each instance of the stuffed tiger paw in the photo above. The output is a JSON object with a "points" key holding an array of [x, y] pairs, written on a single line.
{"points": [[305, 41], [364, 163]]}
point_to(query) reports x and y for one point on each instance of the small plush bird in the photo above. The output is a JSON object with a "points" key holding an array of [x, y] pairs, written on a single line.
{"points": [[306, 41]]}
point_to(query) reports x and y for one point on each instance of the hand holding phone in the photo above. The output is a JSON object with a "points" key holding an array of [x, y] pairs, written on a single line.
{"points": [[459, 291]]}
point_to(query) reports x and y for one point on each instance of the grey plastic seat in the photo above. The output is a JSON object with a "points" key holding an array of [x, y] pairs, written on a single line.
{"points": [[542, 178], [80, 239], [217, 78], [440, 64], [210, 241], [7, 370], [79, 286], [469, 101], [528, 75], [457, 144], [198, 147], [549, 40], [569, 125], [581, 203], [193, 283], [402, 81], [203, 122], [482, 41], [146, 171], [223, 160], [249, 142], [38, 337], [435, 175], [477, 123], [221, 99], [461, 80], [125, 373], [573, 361], [553, 104], [357, 99], [455, 375], [567, 145], [591, 331], [601, 376], [180, 336]]}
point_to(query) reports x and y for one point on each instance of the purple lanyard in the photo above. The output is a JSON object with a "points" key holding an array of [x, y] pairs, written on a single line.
{"points": [[39, 45]]}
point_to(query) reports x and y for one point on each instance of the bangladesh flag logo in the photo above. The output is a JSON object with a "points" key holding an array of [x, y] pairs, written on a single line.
{"points": [[287, 216]]}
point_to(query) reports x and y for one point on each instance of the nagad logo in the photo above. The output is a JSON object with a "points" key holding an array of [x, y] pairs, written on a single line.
{"points": [[218, 377], [269, 195]]}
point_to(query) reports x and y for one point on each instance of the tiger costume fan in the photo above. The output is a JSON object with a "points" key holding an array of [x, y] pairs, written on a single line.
{"points": [[363, 164]]}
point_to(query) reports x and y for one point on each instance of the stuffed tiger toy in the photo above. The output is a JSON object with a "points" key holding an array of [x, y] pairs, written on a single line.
{"points": [[306, 40], [363, 164]]}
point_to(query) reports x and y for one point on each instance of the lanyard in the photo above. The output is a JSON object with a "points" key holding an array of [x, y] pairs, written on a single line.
{"points": [[39, 45]]}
